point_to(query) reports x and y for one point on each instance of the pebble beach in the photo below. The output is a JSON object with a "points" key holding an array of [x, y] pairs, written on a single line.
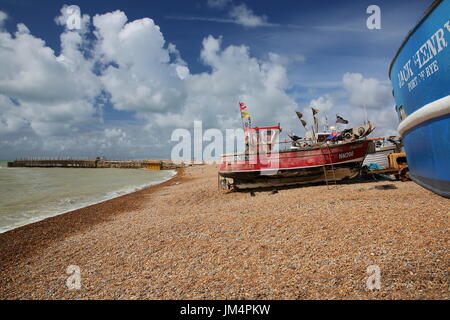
{"points": [[187, 239]]}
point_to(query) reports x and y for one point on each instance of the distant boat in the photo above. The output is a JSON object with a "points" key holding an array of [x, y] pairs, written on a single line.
{"points": [[420, 76], [380, 150]]}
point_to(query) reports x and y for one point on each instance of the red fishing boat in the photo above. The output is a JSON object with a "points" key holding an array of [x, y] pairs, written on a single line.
{"points": [[325, 157]]}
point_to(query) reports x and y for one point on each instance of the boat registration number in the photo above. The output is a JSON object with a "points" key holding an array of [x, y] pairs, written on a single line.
{"points": [[241, 157], [346, 155]]}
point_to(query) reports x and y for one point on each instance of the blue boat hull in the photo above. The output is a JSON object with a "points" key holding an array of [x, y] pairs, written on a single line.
{"points": [[420, 75], [428, 154]]}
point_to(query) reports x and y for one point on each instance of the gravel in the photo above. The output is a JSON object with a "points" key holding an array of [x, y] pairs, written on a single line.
{"points": [[186, 239]]}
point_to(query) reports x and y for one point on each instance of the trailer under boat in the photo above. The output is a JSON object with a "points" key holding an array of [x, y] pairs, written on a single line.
{"points": [[261, 166]]}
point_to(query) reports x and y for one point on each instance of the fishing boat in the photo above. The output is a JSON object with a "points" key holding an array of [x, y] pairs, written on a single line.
{"points": [[324, 157], [420, 76]]}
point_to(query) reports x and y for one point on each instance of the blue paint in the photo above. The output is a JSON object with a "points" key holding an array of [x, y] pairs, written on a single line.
{"points": [[427, 149], [435, 86], [427, 145]]}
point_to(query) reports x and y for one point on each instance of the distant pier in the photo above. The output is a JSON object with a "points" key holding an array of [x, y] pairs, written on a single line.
{"points": [[97, 163]]}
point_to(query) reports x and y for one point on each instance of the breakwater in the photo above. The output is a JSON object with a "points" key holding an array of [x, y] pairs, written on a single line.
{"points": [[97, 163]]}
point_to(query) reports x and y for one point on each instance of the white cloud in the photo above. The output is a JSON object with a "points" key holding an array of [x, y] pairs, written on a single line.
{"points": [[10, 118], [322, 103], [138, 72], [368, 92], [64, 18], [235, 76], [31, 71], [53, 103], [245, 16], [372, 94], [54, 94], [239, 14]]}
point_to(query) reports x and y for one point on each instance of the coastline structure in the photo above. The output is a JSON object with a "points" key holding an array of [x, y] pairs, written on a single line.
{"points": [[97, 163]]}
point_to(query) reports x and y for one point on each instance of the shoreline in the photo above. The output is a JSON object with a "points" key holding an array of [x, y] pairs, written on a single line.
{"points": [[186, 239], [77, 219], [102, 198]]}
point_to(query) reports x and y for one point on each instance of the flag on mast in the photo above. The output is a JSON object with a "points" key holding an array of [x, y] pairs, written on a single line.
{"points": [[300, 116], [245, 114], [316, 121], [339, 119]]}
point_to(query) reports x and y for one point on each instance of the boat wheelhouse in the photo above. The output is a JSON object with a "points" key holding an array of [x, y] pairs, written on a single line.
{"points": [[265, 164]]}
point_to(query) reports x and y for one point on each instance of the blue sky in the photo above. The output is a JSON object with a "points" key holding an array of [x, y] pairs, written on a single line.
{"points": [[284, 55]]}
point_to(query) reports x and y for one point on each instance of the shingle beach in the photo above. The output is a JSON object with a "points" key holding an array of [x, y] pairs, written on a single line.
{"points": [[186, 239]]}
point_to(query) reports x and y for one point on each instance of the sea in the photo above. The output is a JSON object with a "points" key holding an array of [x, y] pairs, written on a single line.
{"points": [[28, 195]]}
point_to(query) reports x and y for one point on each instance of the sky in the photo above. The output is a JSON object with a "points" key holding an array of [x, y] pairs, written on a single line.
{"points": [[131, 72]]}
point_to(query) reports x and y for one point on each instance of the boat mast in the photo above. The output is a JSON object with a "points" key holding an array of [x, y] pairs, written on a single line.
{"points": [[315, 127]]}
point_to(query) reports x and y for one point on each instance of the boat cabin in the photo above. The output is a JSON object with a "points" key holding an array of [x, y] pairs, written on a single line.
{"points": [[261, 140]]}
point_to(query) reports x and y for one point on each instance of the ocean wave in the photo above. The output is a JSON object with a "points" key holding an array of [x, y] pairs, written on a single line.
{"points": [[114, 194]]}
